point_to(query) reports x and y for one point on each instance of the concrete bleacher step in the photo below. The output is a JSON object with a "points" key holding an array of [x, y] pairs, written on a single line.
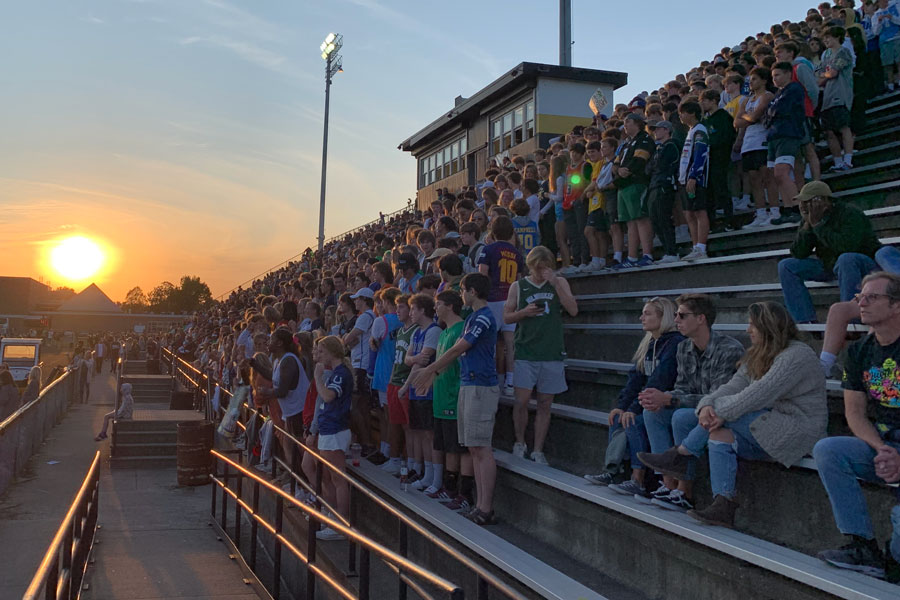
{"points": [[145, 449], [147, 436], [515, 562], [142, 462], [662, 554]]}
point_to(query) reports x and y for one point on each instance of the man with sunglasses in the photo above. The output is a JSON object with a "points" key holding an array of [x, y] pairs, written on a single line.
{"points": [[844, 243], [706, 360], [871, 383]]}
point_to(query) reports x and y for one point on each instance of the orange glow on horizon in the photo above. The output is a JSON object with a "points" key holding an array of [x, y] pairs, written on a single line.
{"points": [[77, 259]]}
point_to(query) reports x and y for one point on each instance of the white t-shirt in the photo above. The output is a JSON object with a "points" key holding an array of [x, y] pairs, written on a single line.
{"points": [[534, 208], [359, 354]]}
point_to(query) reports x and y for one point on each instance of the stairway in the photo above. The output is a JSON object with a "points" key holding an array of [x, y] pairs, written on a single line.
{"points": [[144, 444], [150, 389]]}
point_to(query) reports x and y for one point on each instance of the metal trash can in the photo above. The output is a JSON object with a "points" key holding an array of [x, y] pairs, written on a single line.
{"points": [[194, 441]]}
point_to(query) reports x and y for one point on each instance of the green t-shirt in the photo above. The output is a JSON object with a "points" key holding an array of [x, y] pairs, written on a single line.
{"points": [[446, 384], [540, 338], [400, 372]]}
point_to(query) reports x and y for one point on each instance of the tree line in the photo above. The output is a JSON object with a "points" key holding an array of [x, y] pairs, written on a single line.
{"points": [[190, 296]]}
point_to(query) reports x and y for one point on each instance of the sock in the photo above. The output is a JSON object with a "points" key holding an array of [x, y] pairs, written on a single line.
{"points": [[395, 462], [428, 473], [451, 482], [509, 378], [775, 212], [760, 212], [419, 468], [827, 359], [466, 486], [838, 161], [597, 261], [437, 475], [385, 448], [617, 256], [848, 160], [746, 198], [701, 247], [632, 259]]}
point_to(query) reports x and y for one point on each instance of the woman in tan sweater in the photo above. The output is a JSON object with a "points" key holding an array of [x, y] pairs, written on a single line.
{"points": [[774, 408]]}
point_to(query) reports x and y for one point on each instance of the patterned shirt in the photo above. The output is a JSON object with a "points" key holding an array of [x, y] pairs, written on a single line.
{"points": [[702, 373]]}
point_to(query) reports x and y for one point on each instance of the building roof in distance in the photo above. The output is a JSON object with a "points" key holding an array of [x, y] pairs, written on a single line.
{"points": [[525, 73], [90, 299]]}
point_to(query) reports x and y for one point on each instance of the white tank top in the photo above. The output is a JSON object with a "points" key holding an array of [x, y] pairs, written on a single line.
{"points": [[292, 404], [755, 136]]}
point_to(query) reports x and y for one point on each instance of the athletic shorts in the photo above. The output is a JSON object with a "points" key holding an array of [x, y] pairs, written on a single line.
{"points": [[475, 414], [611, 205], [835, 118], [446, 436], [337, 441], [421, 415], [497, 311], [558, 211], [598, 220], [698, 202], [754, 160], [633, 202], [783, 151], [890, 52], [398, 408], [548, 377]]}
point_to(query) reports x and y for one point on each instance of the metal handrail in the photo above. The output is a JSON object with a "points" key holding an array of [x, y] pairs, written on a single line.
{"points": [[477, 569], [328, 241], [8, 421], [74, 540], [367, 544]]}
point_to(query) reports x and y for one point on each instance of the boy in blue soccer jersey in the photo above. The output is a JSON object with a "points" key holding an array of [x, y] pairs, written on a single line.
{"points": [[478, 392], [526, 230]]}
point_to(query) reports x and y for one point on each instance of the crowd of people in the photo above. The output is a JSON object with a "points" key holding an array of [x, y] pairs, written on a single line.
{"points": [[409, 331]]}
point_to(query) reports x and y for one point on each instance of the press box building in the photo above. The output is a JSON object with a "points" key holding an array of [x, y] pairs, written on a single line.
{"points": [[517, 113]]}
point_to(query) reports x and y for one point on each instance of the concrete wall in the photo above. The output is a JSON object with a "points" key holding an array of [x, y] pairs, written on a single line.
{"points": [[20, 295]]}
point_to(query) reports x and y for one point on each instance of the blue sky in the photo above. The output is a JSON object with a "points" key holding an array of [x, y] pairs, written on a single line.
{"points": [[185, 135]]}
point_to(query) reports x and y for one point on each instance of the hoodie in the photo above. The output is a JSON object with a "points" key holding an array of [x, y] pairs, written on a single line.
{"points": [[660, 371]]}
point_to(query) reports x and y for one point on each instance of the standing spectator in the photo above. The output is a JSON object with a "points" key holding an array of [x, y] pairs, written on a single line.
{"points": [[527, 232], [408, 267], [595, 231], [574, 206], [478, 394], [835, 74], [786, 123], [535, 304], [421, 353], [663, 170], [9, 395], [99, 355], [358, 342], [33, 386], [381, 342], [558, 167], [720, 128], [754, 156], [693, 174], [886, 25], [774, 408], [631, 181], [706, 360], [803, 72], [844, 243], [398, 403], [502, 263], [871, 454]]}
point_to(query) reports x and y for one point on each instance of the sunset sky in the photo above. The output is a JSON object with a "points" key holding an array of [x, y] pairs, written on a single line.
{"points": [[184, 136]]}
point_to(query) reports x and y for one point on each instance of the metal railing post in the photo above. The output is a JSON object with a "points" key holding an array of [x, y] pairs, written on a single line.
{"points": [[254, 526], [363, 573], [237, 511], [212, 509], [482, 588], [279, 521], [403, 551], [224, 495], [351, 546]]}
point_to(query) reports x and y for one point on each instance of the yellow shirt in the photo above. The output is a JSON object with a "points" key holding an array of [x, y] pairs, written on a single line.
{"points": [[596, 201]]}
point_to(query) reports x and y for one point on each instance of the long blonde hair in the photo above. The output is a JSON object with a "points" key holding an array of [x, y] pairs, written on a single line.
{"points": [[335, 347], [665, 308], [776, 330]]}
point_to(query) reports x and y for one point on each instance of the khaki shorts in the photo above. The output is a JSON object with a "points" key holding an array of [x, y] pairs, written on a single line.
{"points": [[476, 410]]}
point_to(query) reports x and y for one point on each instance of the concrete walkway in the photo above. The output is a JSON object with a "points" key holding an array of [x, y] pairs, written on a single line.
{"points": [[154, 541]]}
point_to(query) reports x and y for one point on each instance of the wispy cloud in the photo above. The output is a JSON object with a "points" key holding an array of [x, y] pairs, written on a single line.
{"points": [[93, 19], [249, 52]]}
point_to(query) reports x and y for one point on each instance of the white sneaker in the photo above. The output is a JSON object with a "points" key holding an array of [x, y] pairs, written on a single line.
{"points": [[508, 390], [668, 258], [696, 254], [519, 450], [329, 534], [420, 484], [570, 270], [265, 467], [593, 268], [539, 458], [761, 220], [391, 468], [431, 489]]}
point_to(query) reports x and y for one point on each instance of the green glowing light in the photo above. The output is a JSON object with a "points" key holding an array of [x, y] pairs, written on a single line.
{"points": [[575, 180]]}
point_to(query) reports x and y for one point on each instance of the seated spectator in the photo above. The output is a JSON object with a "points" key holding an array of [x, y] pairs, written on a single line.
{"points": [[535, 304], [871, 454], [774, 408], [706, 360], [656, 366], [843, 240]]}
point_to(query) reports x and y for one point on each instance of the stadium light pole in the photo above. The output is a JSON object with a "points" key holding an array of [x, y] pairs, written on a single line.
{"points": [[333, 64]]}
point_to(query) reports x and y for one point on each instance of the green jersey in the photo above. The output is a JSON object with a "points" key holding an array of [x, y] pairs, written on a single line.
{"points": [[400, 372], [446, 384], [540, 338]]}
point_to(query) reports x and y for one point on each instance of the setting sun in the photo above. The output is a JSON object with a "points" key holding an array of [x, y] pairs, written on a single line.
{"points": [[76, 258]]}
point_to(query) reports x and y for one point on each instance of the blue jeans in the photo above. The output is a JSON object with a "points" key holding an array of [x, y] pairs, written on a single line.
{"points": [[669, 427], [637, 439], [841, 462], [723, 457], [849, 269], [888, 258]]}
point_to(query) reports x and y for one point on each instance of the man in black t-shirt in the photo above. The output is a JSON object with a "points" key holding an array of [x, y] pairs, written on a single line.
{"points": [[871, 378]]}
